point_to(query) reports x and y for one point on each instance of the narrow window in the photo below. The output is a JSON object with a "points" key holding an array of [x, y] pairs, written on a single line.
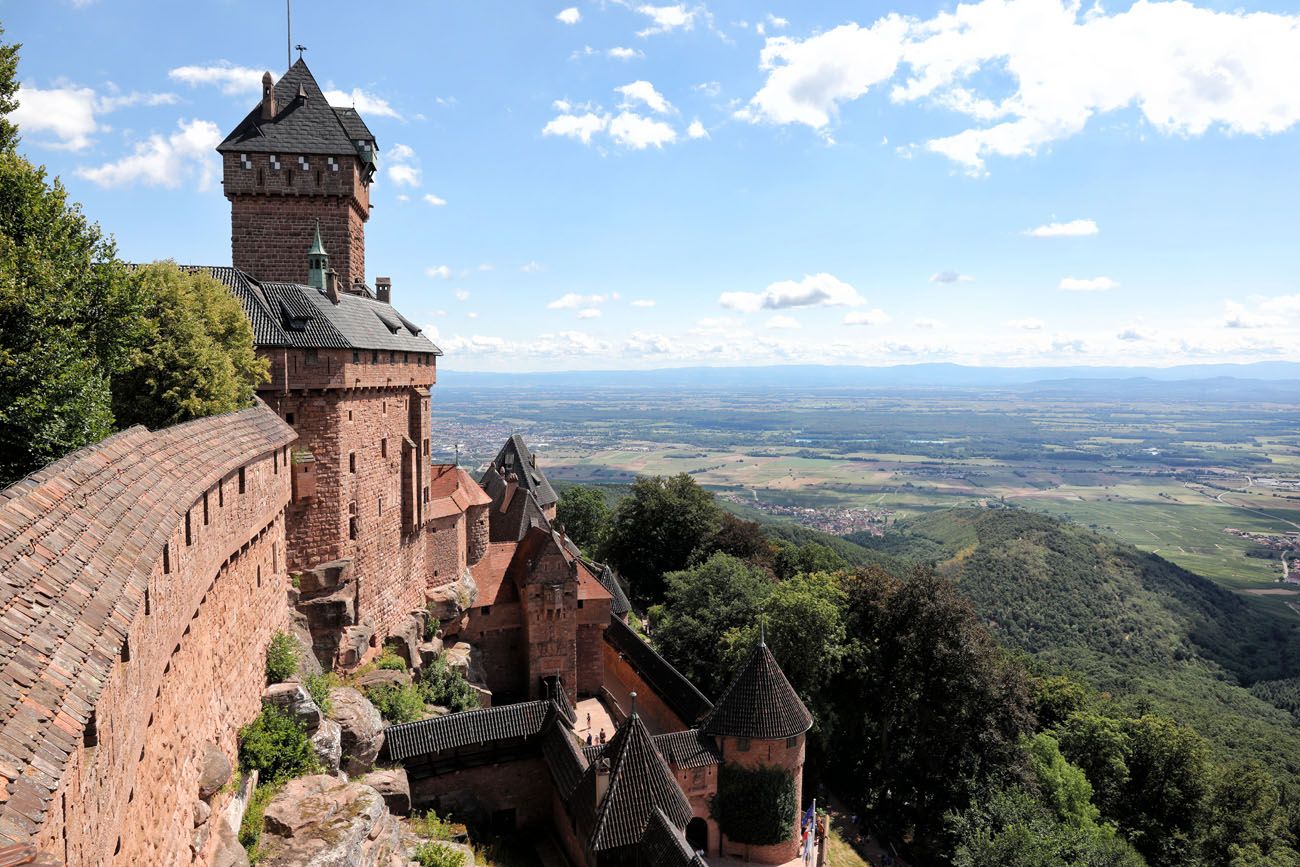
{"points": [[349, 415], [288, 177], [189, 537], [374, 356], [90, 737], [791, 742], [352, 527], [167, 561], [406, 358], [288, 419], [383, 447], [243, 485], [205, 508], [356, 357], [352, 462], [381, 507], [275, 462], [259, 177], [148, 609], [259, 575], [221, 493], [392, 357], [383, 407], [126, 649], [319, 176]]}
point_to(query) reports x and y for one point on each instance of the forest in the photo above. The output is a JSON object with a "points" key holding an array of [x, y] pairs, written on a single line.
{"points": [[989, 686]]}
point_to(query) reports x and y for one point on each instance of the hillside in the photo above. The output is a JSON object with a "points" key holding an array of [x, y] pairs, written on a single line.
{"points": [[1133, 624]]}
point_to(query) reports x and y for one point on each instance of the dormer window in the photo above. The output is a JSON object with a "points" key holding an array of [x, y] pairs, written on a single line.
{"points": [[303, 164], [332, 164], [275, 163], [244, 162]]}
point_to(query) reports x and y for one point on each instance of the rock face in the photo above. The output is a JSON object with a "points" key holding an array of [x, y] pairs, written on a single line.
{"points": [[449, 601], [216, 771], [324, 822], [468, 660], [393, 787], [404, 639], [293, 699], [362, 729], [385, 677], [327, 743]]}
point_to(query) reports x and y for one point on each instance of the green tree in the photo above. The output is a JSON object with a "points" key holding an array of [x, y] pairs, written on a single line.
{"points": [[812, 557], [656, 528], [8, 94], [700, 606], [584, 514], [1244, 815], [930, 707], [1163, 808], [197, 357], [742, 539], [69, 318], [1099, 746], [1062, 786]]}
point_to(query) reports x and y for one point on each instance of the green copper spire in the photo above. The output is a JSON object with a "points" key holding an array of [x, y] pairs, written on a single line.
{"points": [[318, 261]]}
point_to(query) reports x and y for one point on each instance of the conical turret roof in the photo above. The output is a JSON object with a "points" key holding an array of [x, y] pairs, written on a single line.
{"points": [[639, 783], [759, 702]]}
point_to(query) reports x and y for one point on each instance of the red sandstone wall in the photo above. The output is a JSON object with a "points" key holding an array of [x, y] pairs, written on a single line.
{"points": [[448, 545], [195, 674], [274, 214], [620, 679], [498, 632], [522, 785], [551, 624], [771, 753], [477, 534], [593, 618], [700, 785]]}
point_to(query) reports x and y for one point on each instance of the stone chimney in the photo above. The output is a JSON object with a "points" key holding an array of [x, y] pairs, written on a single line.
{"points": [[384, 289], [332, 286], [268, 97]]}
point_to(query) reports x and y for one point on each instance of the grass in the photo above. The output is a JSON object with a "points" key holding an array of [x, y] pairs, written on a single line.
{"points": [[840, 854]]}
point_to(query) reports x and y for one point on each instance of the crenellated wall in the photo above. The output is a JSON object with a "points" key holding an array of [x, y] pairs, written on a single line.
{"points": [[149, 575]]}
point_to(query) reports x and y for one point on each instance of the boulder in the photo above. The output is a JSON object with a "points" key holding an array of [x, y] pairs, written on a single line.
{"points": [[362, 729], [201, 812], [327, 743], [429, 651], [383, 676], [229, 852], [468, 660], [404, 639], [216, 771], [354, 644], [448, 601], [392, 785], [294, 700], [325, 822]]}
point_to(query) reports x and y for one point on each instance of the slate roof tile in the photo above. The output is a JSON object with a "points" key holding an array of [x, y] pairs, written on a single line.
{"points": [[639, 783], [759, 702]]}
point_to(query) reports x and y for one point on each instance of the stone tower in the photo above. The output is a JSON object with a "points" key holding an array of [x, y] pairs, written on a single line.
{"points": [[296, 163], [760, 722]]}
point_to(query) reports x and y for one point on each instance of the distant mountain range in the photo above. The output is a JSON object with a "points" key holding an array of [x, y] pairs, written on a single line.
{"points": [[1221, 378]]}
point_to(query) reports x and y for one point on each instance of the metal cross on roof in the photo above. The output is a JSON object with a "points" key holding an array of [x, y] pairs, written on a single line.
{"points": [[300, 48]]}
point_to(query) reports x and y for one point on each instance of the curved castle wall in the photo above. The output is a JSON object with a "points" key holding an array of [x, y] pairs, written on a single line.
{"points": [[140, 581]]}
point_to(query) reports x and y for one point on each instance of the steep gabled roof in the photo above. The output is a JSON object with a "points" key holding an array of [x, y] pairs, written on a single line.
{"points": [[640, 782], [302, 125], [516, 457], [662, 845], [759, 702], [681, 696]]}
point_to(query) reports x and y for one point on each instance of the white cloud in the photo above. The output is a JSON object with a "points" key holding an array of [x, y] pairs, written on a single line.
{"points": [[579, 126], [1088, 284], [620, 52], [232, 80], [643, 302], [403, 169], [589, 313], [436, 201], [822, 290], [926, 324], [667, 18], [1072, 229], [572, 301], [781, 321], [1185, 68], [950, 277], [164, 161], [471, 315], [531, 267], [875, 316], [461, 294], [1286, 305], [569, 16], [644, 343], [71, 114], [644, 92], [696, 130], [637, 132], [438, 272], [1237, 316], [776, 21], [403, 197], [366, 103], [1134, 333], [1026, 324]]}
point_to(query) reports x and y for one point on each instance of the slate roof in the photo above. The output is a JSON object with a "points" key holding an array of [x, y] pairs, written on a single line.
{"points": [[566, 762], [78, 541], [759, 702], [662, 845], [291, 314], [300, 126], [515, 456], [509, 520], [471, 727], [669, 684], [639, 783], [609, 581], [686, 749]]}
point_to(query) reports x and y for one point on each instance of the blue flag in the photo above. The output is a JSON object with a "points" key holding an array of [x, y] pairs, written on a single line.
{"points": [[808, 816]]}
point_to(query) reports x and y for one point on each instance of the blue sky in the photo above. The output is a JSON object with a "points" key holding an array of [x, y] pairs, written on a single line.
{"points": [[625, 184]]}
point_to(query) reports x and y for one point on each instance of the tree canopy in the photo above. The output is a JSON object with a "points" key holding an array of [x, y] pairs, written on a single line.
{"points": [[657, 528], [584, 514]]}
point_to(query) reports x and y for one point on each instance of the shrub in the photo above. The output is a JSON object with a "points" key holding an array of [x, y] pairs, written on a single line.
{"points": [[754, 805], [433, 827], [438, 855], [390, 661], [397, 704], [443, 685], [318, 686], [250, 829], [276, 745], [282, 658]]}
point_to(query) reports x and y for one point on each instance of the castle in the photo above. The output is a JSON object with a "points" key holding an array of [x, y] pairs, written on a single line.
{"points": [[142, 578]]}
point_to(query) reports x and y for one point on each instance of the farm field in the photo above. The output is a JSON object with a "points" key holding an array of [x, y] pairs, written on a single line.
{"points": [[1167, 477]]}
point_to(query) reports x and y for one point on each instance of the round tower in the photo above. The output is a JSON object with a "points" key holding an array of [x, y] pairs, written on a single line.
{"points": [[761, 726]]}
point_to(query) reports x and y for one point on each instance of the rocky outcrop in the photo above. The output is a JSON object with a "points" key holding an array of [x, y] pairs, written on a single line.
{"points": [[327, 744], [404, 638], [362, 734], [327, 603], [393, 787], [216, 771], [429, 651], [449, 601], [383, 677], [293, 699], [325, 822]]}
